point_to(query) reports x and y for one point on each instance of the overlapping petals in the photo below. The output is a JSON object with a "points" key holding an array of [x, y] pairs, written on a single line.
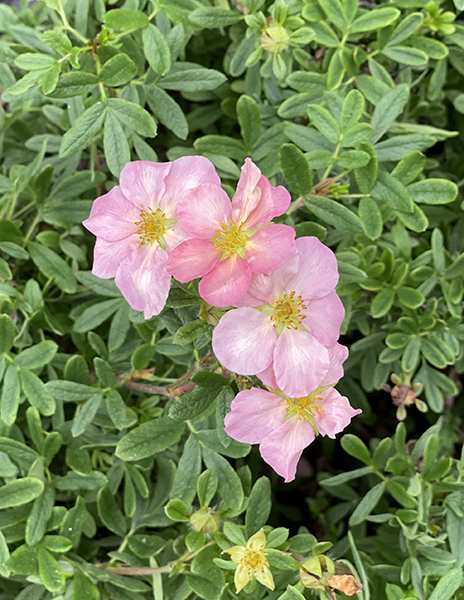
{"points": [[136, 227], [237, 238], [287, 321]]}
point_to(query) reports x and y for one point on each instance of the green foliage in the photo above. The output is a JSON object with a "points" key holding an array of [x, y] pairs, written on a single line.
{"points": [[118, 478]]}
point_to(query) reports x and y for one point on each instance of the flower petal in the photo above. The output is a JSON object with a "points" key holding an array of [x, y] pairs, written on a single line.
{"points": [[337, 356], [186, 173], [324, 318], [192, 259], [336, 413], [244, 341], [268, 377], [254, 414], [317, 270], [241, 578], [247, 194], [264, 576], [283, 449], [202, 210], [227, 282], [257, 541], [144, 281], [300, 362], [107, 256], [267, 287], [143, 182], [236, 553], [113, 217], [270, 247]]}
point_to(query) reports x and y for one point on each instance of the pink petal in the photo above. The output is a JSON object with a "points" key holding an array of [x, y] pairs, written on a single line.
{"points": [[317, 271], [270, 247], [186, 173], [300, 362], [226, 283], [337, 356], [202, 210], [192, 259], [107, 256], [143, 182], [256, 201], [255, 413], [268, 377], [283, 448], [244, 340], [113, 217], [144, 280], [174, 236], [336, 413], [324, 318]]}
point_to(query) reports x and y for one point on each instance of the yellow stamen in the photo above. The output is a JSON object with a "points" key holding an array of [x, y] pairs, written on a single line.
{"points": [[304, 408], [230, 240], [254, 560], [152, 225], [288, 311]]}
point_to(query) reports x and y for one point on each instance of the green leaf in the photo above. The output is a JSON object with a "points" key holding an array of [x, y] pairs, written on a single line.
{"points": [[406, 28], [193, 402], [149, 438], [375, 19], [56, 543], [190, 331], [249, 119], [335, 13], [438, 251], [33, 61], [406, 55], [9, 402], [50, 571], [212, 17], [353, 159], [7, 333], [371, 218], [188, 471], [259, 506], [95, 315], [417, 221], [117, 151], [75, 83], [85, 128], [122, 19], [410, 297], [86, 415], [447, 585], [118, 70], [367, 504], [432, 353], [382, 302], [456, 268], [20, 491], [40, 514], [36, 392], [167, 111], [334, 213], [156, 50], [391, 191], [207, 487], [221, 144], [193, 80], [110, 513], [70, 391], [352, 110], [411, 355], [355, 447], [366, 176], [296, 170], [389, 107], [325, 35], [53, 267], [37, 356], [177, 510], [433, 191], [324, 122], [409, 167], [230, 486], [116, 408], [401, 495]]}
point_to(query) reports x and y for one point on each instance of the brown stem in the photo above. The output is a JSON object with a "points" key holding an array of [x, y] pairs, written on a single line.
{"points": [[135, 570]]}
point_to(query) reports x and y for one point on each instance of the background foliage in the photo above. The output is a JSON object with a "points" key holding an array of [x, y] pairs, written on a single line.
{"points": [[108, 453]]}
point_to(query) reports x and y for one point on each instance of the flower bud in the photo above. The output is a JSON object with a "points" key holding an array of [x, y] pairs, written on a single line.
{"points": [[206, 520]]}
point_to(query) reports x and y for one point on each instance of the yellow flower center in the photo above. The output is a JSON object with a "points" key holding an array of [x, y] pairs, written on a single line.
{"points": [[151, 225], [304, 408], [230, 240], [254, 560], [288, 311]]}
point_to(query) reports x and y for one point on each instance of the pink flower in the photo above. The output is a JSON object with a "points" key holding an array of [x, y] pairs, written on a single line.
{"points": [[283, 426], [230, 241], [136, 227], [287, 321]]}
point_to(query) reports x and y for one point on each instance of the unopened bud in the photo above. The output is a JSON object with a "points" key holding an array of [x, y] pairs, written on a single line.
{"points": [[206, 520]]}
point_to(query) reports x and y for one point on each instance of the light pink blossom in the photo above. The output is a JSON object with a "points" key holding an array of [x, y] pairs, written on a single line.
{"points": [[283, 426], [232, 240], [287, 320], [136, 227]]}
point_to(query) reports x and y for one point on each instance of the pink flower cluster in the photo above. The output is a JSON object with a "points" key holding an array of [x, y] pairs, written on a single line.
{"points": [[174, 219]]}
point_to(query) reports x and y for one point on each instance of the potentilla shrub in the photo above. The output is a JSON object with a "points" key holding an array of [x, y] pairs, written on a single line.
{"points": [[228, 232]]}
